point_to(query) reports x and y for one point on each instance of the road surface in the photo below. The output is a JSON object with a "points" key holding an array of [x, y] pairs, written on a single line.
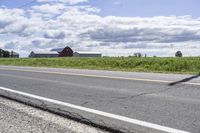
{"points": [[19, 118], [169, 100]]}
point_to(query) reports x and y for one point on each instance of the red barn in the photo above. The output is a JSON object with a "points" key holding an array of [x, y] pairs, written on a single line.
{"points": [[64, 52]]}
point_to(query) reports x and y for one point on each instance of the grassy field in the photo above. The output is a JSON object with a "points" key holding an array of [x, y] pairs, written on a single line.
{"points": [[149, 64]]}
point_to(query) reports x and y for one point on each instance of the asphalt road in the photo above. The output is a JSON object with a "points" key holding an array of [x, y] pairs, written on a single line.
{"points": [[19, 118], [165, 99]]}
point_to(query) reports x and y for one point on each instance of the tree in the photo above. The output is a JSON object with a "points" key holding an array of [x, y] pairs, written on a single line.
{"points": [[137, 54], [1, 53], [11, 54], [178, 54], [5, 53]]}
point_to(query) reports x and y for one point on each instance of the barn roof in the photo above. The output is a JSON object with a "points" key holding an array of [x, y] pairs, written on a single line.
{"points": [[59, 49]]}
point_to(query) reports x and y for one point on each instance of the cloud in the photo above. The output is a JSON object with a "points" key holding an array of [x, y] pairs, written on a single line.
{"points": [[11, 20], [48, 8], [53, 34], [50, 25], [156, 30]]}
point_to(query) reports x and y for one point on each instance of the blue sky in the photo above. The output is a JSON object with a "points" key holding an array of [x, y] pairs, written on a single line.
{"points": [[132, 8], [113, 27], [148, 8]]}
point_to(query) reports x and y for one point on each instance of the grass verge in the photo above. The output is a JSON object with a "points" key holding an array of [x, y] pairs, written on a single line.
{"points": [[188, 65]]}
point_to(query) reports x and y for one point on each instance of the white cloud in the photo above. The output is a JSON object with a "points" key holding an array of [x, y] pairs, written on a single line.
{"points": [[47, 8], [51, 25], [54, 34]]}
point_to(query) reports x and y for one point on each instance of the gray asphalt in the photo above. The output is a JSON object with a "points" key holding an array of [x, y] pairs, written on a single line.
{"points": [[176, 105], [19, 118]]}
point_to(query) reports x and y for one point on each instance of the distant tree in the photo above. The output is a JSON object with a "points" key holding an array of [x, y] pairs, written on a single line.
{"points": [[137, 54], [178, 54], [1, 52], [11, 54], [6, 54]]}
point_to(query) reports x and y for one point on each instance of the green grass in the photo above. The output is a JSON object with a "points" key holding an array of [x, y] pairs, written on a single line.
{"points": [[149, 64]]}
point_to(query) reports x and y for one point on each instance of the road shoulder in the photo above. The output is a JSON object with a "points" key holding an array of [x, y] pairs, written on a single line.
{"points": [[16, 117]]}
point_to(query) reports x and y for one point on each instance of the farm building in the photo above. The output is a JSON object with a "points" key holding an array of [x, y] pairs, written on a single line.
{"points": [[87, 54], [43, 54], [64, 52]]}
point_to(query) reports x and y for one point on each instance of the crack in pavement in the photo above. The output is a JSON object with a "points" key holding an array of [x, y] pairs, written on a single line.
{"points": [[149, 93]]}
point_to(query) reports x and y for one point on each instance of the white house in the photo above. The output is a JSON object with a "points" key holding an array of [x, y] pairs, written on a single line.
{"points": [[87, 54]]}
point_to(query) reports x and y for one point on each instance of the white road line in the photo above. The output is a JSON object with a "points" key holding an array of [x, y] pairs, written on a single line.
{"points": [[99, 76], [97, 112]]}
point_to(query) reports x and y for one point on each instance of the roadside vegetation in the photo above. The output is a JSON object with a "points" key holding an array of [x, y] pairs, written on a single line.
{"points": [[143, 64]]}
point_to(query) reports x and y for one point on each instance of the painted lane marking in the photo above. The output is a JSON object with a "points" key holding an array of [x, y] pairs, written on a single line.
{"points": [[100, 76], [93, 111]]}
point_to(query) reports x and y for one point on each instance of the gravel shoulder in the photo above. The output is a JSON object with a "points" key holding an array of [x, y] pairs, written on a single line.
{"points": [[19, 118]]}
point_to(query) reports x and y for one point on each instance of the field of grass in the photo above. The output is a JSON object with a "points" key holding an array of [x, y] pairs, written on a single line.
{"points": [[149, 64]]}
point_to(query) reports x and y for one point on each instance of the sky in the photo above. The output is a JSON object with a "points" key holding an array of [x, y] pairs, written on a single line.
{"points": [[113, 27]]}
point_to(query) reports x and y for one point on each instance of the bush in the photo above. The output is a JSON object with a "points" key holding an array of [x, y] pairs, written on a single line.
{"points": [[178, 54]]}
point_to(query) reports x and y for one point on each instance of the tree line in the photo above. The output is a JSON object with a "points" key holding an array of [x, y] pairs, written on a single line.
{"points": [[4, 53], [177, 54]]}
